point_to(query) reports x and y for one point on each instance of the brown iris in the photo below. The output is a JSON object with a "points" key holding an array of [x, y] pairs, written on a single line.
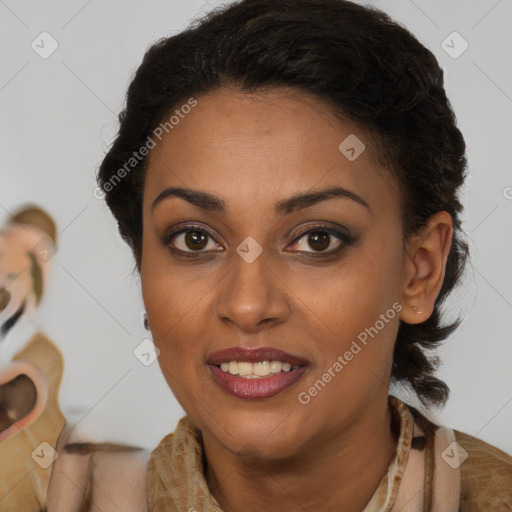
{"points": [[319, 240], [196, 239]]}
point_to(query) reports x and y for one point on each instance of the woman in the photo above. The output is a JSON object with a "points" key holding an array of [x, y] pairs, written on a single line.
{"points": [[286, 173]]}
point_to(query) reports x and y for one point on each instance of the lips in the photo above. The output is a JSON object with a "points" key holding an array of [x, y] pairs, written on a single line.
{"points": [[263, 387], [254, 355]]}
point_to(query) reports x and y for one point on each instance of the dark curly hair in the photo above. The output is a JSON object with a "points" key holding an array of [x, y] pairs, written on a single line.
{"points": [[366, 67]]}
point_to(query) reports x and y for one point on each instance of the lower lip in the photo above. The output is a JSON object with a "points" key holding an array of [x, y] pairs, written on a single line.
{"points": [[251, 389]]}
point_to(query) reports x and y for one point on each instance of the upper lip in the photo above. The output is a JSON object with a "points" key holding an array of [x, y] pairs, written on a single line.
{"points": [[254, 355]]}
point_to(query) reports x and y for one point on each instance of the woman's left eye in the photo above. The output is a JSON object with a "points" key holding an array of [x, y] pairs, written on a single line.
{"points": [[323, 241]]}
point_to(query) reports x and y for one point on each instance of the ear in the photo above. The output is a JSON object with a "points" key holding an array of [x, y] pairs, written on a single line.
{"points": [[424, 267]]}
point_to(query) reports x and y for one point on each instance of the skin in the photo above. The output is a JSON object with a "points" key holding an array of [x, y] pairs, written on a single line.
{"points": [[253, 150]]}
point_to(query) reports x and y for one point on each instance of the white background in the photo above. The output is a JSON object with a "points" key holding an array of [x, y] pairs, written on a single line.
{"points": [[58, 117]]}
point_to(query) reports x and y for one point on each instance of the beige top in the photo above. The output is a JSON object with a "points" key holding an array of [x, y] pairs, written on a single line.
{"points": [[429, 471], [434, 469]]}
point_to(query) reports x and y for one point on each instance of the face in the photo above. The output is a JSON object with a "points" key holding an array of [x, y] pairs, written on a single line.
{"points": [[253, 265]]}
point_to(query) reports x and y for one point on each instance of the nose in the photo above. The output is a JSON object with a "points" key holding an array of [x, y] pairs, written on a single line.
{"points": [[252, 296]]}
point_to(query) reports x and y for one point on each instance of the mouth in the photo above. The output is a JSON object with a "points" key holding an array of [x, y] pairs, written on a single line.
{"points": [[255, 373]]}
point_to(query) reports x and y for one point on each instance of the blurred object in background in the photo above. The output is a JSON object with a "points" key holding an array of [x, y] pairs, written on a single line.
{"points": [[27, 244], [30, 367]]}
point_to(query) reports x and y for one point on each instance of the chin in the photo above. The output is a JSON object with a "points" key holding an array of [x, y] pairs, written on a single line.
{"points": [[248, 440]]}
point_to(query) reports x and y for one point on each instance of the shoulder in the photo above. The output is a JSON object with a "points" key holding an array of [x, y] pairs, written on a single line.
{"points": [[486, 475], [484, 471], [110, 476]]}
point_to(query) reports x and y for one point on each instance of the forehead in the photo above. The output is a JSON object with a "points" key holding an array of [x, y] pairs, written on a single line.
{"points": [[266, 144]]}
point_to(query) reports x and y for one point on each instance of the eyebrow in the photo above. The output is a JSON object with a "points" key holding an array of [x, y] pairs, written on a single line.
{"points": [[210, 202]]}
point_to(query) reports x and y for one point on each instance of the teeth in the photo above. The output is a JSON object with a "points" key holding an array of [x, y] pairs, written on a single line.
{"points": [[275, 366], [245, 368], [261, 369], [254, 370]]}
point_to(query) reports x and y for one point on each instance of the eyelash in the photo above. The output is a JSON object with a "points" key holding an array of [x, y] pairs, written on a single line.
{"points": [[346, 240]]}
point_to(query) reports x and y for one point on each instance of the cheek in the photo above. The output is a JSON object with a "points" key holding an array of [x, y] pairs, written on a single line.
{"points": [[173, 310], [354, 353], [175, 315], [355, 305], [177, 309], [351, 296]]}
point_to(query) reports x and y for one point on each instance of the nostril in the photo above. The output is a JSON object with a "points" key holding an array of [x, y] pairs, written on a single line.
{"points": [[5, 297]]}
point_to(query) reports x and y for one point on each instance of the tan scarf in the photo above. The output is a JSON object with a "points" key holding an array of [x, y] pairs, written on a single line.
{"points": [[424, 475]]}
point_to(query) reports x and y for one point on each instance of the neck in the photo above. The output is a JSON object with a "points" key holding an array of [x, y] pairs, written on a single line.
{"points": [[342, 473]]}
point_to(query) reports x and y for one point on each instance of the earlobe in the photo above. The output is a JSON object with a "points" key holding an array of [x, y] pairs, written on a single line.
{"points": [[425, 268]]}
